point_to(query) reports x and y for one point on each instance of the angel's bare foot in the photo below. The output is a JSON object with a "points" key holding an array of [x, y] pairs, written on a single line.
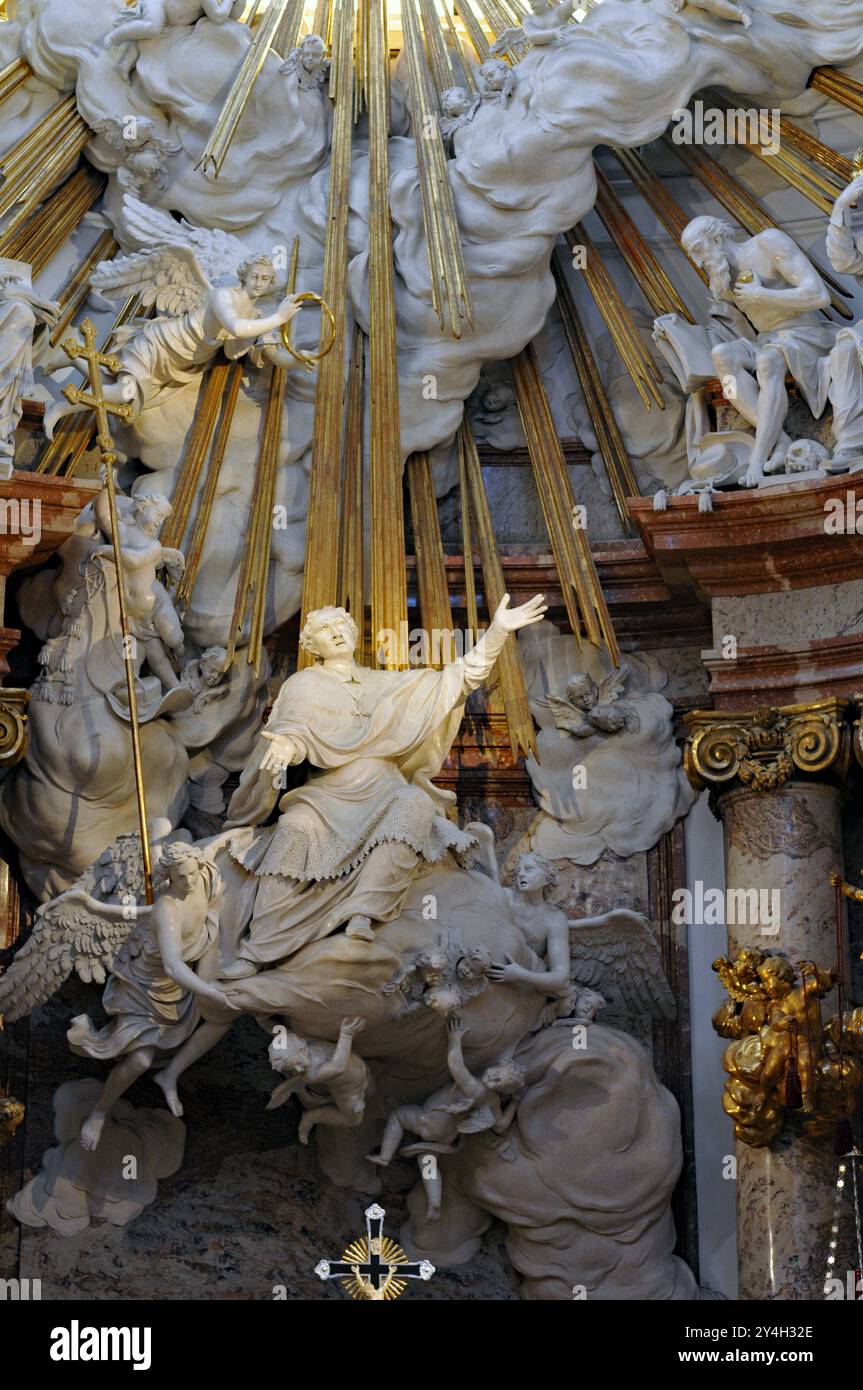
{"points": [[378, 1160], [306, 1126], [91, 1130], [168, 1086], [359, 928]]}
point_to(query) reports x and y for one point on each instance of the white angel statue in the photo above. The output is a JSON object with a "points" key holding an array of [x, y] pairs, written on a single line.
{"points": [[206, 284], [613, 951]]}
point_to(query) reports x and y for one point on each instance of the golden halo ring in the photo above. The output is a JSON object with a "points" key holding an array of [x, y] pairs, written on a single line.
{"points": [[310, 358]]}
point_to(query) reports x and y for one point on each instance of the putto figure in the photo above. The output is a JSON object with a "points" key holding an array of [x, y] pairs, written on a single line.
{"points": [[587, 707], [147, 19], [184, 277], [153, 618], [543, 27], [496, 81], [310, 63], [458, 109], [468, 1106], [330, 1079]]}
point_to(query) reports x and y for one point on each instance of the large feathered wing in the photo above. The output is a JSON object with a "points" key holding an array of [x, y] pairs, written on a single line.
{"points": [[179, 266], [620, 949], [71, 934]]}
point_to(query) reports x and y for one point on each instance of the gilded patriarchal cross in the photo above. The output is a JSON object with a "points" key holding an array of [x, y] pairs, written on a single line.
{"points": [[88, 351], [95, 398]]}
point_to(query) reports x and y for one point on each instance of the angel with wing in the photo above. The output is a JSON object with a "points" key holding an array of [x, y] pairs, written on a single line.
{"points": [[588, 707], [81, 930], [205, 285], [614, 950]]}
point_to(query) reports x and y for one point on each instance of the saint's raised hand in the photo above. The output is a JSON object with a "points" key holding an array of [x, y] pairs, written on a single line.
{"points": [[511, 619]]}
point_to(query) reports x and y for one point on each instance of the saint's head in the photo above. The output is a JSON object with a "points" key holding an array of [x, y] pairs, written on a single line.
{"points": [[328, 633]]}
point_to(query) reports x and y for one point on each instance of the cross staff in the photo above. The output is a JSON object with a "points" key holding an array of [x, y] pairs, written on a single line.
{"points": [[88, 352], [375, 1269]]}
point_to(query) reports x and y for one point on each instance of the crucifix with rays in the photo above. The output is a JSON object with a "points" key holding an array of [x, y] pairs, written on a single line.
{"points": [[88, 352], [374, 1267]]}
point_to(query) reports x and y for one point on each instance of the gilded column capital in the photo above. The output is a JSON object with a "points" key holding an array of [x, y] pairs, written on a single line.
{"points": [[13, 725], [762, 749]]}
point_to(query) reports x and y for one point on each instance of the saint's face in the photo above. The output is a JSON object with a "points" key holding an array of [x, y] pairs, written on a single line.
{"points": [[334, 637]]}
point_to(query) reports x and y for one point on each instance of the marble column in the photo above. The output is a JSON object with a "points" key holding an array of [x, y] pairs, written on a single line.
{"points": [[776, 778]]}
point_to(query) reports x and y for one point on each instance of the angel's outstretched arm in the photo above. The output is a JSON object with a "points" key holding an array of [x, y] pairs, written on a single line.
{"points": [[115, 912], [603, 917], [222, 305]]}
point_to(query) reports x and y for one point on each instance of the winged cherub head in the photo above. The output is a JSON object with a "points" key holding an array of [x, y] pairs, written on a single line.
{"points": [[581, 691]]}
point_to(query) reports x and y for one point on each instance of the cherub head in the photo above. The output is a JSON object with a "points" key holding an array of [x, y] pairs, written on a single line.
{"points": [[506, 1078], [257, 275], [312, 52], [777, 976], [455, 101], [289, 1053], [212, 666], [431, 964], [475, 963], [494, 75], [150, 509], [329, 632], [444, 999], [534, 873], [581, 691], [587, 1005]]}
